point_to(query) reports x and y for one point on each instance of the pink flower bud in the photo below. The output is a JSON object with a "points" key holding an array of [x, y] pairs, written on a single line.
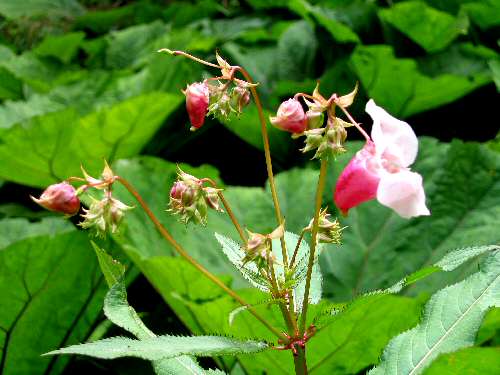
{"points": [[177, 189], [290, 117], [60, 198], [197, 97]]}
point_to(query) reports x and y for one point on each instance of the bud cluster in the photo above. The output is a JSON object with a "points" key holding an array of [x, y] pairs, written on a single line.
{"points": [[191, 200], [103, 215], [328, 140], [328, 231], [219, 97], [258, 248]]}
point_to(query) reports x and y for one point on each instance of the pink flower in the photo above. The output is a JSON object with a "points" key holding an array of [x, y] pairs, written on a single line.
{"points": [[60, 198], [381, 169], [290, 117], [197, 97]]}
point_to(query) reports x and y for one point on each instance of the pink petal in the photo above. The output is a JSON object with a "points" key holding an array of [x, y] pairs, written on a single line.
{"points": [[359, 180], [395, 139], [403, 192]]}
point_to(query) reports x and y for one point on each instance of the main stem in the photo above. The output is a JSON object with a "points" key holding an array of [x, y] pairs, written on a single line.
{"points": [[314, 236], [180, 250]]}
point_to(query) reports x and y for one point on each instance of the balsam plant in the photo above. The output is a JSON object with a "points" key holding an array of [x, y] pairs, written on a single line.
{"points": [[282, 264]]}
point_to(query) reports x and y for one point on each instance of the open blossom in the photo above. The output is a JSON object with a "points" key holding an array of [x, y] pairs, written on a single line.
{"points": [[381, 169], [197, 98], [61, 198], [290, 117]]}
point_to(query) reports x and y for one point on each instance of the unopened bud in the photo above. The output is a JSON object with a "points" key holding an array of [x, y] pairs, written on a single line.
{"points": [[240, 97], [314, 138], [336, 138], [314, 119], [104, 215], [328, 231], [212, 198], [197, 98], [290, 117], [61, 198]]}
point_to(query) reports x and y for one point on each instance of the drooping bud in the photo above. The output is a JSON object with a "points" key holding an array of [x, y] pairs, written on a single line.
{"points": [[336, 137], [61, 198], [290, 117], [197, 98], [240, 97], [328, 231], [104, 215]]}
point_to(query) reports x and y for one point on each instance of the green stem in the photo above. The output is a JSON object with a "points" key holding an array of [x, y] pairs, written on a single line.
{"points": [[314, 236], [180, 250], [296, 251]]}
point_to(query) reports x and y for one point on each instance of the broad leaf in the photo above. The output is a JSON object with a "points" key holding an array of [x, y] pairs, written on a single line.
{"points": [[32, 8], [63, 47], [376, 67], [51, 291], [162, 347], [53, 151], [112, 270], [428, 27], [450, 322], [473, 361]]}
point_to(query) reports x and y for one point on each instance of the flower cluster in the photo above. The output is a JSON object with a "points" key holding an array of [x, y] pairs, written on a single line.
{"points": [[103, 215], [328, 140], [190, 199], [218, 96]]}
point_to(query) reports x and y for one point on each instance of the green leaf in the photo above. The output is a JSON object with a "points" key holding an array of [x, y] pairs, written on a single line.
{"points": [[62, 47], [490, 329], [162, 347], [298, 45], [112, 270], [430, 28], [51, 291], [450, 321], [378, 69], [471, 361], [53, 151], [352, 340], [32, 8], [495, 70], [485, 13]]}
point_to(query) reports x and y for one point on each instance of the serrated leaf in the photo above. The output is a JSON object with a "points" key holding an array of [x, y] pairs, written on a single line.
{"points": [[112, 269], [236, 254], [162, 347], [450, 322]]}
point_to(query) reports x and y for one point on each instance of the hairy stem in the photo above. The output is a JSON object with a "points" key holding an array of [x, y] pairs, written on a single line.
{"points": [[180, 250], [314, 236], [296, 251]]}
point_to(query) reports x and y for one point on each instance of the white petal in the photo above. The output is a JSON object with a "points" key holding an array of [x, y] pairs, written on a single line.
{"points": [[392, 136], [403, 192]]}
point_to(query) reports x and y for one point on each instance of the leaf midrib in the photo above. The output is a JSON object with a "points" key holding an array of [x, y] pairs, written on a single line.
{"points": [[448, 331]]}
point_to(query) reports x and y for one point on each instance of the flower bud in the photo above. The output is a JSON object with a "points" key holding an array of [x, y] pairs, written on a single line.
{"points": [[61, 198], [197, 98], [314, 119], [328, 231], [212, 198], [104, 215], [240, 97], [290, 117], [336, 137], [314, 138]]}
